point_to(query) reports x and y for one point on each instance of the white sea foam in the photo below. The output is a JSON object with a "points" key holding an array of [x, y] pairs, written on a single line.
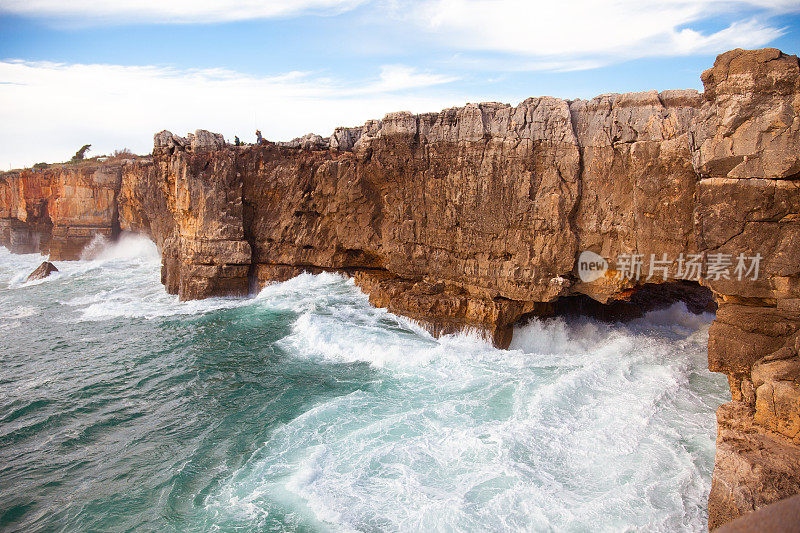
{"points": [[128, 251], [122, 280], [124, 305], [23, 311], [579, 426], [128, 247], [12, 317], [119, 279], [15, 268]]}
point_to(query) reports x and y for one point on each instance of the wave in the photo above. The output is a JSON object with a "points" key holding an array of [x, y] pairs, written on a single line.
{"points": [[113, 305], [128, 247], [15, 268], [579, 425], [112, 280], [130, 250]]}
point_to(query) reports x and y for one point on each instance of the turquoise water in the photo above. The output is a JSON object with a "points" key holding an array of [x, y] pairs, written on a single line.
{"points": [[304, 409]]}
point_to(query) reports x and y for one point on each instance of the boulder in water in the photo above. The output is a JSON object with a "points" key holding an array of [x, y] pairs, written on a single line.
{"points": [[43, 270]]}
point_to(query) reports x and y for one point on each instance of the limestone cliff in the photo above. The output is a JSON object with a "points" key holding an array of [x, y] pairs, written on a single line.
{"points": [[746, 148], [60, 209], [475, 217]]}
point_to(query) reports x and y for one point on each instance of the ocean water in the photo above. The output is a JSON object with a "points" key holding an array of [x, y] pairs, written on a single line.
{"points": [[304, 409]]}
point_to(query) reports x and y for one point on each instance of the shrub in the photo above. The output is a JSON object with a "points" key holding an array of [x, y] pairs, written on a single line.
{"points": [[80, 154]]}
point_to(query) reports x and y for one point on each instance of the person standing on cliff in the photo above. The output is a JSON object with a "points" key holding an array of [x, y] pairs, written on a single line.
{"points": [[259, 139]]}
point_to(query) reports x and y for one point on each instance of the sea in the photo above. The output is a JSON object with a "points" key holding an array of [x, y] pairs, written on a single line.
{"points": [[303, 408]]}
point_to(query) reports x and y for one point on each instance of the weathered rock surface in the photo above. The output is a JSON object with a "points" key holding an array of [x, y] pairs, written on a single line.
{"points": [[25, 225], [59, 210], [474, 217], [779, 517], [310, 141], [746, 151], [42, 271], [752, 468], [750, 127]]}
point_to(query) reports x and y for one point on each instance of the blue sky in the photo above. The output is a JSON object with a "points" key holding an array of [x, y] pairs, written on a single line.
{"points": [[112, 73]]}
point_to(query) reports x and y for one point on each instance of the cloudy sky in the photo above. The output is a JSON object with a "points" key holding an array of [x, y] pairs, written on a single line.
{"points": [[113, 72]]}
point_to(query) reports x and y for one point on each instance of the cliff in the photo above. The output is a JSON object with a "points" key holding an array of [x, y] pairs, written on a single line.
{"points": [[475, 217], [59, 210]]}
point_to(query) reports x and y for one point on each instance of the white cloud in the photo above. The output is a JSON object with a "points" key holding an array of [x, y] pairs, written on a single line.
{"points": [[607, 31], [742, 34], [172, 11], [401, 77], [542, 34], [49, 110]]}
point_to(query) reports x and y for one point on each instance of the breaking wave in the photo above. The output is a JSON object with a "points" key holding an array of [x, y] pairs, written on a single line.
{"points": [[128, 247], [306, 408], [581, 425]]}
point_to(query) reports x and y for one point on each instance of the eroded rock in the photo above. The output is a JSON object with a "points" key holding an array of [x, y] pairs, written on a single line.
{"points": [[750, 127], [778, 517], [42, 271]]}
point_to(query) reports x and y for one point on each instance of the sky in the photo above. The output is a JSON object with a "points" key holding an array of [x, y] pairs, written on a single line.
{"points": [[111, 73]]}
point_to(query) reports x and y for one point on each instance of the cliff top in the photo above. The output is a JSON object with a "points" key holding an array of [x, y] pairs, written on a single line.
{"points": [[736, 73]]}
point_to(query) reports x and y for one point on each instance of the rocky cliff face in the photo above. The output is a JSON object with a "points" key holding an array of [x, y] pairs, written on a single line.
{"points": [[475, 217], [746, 143], [59, 210]]}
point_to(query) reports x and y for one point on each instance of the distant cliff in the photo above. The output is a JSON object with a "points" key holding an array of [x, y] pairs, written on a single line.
{"points": [[476, 216]]}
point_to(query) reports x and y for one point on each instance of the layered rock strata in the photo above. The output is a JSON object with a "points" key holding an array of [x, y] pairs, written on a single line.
{"points": [[746, 149], [59, 210], [475, 217]]}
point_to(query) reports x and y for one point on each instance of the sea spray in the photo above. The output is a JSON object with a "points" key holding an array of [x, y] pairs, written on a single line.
{"points": [[305, 408], [580, 425], [128, 246]]}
